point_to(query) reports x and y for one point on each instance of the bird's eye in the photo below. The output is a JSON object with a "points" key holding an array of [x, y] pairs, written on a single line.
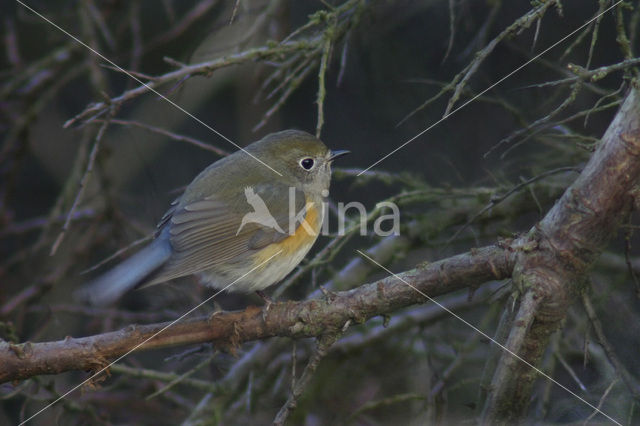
{"points": [[307, 163]]}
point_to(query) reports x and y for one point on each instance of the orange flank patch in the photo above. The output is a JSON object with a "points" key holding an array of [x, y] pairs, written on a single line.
{"points": [[301, 239]]}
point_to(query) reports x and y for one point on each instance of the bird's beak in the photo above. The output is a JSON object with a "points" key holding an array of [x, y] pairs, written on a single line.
{"points": [[338, 154]]}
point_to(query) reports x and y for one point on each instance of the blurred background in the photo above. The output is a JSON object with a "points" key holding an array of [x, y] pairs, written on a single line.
{"points": [[72, 196]]}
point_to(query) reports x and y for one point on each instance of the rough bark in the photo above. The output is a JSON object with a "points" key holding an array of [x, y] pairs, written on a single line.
{"points": [[307, 318], [561, 249]]}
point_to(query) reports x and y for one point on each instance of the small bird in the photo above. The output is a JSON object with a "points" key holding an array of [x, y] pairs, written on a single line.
{"points": [[238, 224]]}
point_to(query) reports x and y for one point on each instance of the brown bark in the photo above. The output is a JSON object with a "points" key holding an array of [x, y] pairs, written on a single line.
{"points": [[562, 247], [307, 318]]}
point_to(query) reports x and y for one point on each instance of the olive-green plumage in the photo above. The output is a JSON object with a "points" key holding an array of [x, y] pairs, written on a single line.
{"points": [[232, 217]]}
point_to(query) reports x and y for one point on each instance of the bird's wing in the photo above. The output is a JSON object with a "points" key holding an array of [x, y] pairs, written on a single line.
{"points": [[203, 232]]}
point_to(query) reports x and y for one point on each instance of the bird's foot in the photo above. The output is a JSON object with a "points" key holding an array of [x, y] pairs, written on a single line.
{"points": [[268, 301]]}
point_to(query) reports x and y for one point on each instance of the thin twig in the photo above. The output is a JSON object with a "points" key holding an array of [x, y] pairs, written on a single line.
{"points": [[600, 402], [181, 138], [452, 30], [285, 95], [322, 347], [499, 198], [322, 71], [202, 68], [572, 373], [118, 253], [182, 377], [630, 382], [143, 373], [178, 28], [520, 24], [83, 186], [575, 90]]}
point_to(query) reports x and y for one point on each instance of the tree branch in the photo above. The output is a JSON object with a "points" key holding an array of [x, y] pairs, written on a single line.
{"points": [[308, 318], [563, 246]]}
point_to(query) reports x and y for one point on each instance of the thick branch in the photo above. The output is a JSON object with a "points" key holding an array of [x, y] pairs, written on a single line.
{"points": [[563, 247], [307, 318]]}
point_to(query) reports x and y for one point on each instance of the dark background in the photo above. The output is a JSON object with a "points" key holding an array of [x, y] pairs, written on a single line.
{"points": [[395, 60]]}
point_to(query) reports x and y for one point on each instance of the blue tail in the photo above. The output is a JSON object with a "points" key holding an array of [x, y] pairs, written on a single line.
{"points": [[126, 276]]}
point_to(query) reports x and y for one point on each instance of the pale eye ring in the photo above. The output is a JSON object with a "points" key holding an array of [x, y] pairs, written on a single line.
{"points": [[307, 163]]}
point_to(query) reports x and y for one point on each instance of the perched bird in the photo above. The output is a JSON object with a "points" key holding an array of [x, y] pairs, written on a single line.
{"points": [[239, 223]]}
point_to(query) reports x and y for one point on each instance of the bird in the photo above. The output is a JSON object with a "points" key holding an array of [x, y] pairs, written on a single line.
{"points": [[243, 224]]}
